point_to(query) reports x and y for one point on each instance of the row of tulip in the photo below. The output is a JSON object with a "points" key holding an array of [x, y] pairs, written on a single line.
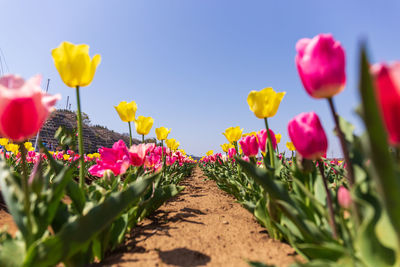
{"points": [[59, 219], [333, 213]]}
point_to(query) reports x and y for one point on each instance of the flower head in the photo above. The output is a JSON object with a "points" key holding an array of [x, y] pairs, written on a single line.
{"points": [[74, 64], [143, 125], [24, 107], [162, 133], [264, 103], [233, 134], [321, 65], [126, 111]]}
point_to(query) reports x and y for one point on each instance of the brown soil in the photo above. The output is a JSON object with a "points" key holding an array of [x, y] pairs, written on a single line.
{"points": [[203, 226], [6, 220]]}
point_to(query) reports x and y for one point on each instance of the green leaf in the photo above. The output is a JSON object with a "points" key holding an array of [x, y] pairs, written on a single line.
{"points": [[12, 252], [383, 163], [77, 234], [77, 196]]}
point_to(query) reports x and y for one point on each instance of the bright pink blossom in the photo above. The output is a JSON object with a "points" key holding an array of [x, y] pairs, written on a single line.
{"points": [[232, 152], [249, 145], [308, 136], [387, 85], [115, 159], [262, 137], [321, 65], [23, 107], [137, 154]]}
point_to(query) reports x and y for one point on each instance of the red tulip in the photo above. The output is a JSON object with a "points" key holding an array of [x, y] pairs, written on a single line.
{"points": [[23, 107], [321, 65], [308, 136], [387, 84]]}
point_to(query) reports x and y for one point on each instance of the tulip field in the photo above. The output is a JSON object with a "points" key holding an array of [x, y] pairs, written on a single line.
{"points": [[77, 208]]}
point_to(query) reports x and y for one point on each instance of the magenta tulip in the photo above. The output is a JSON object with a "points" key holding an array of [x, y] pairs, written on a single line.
{"points": [[232, 152], [321, 65], [137, 154], [308, 136], [262, 137], [249, 145], [387, 84], [115, 159], [23, 107]]}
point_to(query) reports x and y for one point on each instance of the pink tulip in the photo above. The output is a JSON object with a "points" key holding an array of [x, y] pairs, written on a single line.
{"points": [[344, 197], [308, 136], [115, 159], [23, 107], [232, 152], [321, 65], [387, 85], [249, 145], [262, 137], [137, 154]]}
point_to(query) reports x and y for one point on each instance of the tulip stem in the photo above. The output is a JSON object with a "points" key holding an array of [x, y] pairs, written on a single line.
{"points": [[80, 141], [25, 188], [328, 200], [143, 138], [130, 134], [349, 166], [271, 151]]}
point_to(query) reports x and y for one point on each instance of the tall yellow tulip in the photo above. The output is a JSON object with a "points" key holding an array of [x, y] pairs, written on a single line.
{"points": [[233, 134], [143, 125], [74, 64], [265, 103], [76, 69], [162, 133], [172, 144], [126, 111], [210, 153]]}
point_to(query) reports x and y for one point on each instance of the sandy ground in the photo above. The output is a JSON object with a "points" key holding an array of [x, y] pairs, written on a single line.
{"points": [[203, 226]]}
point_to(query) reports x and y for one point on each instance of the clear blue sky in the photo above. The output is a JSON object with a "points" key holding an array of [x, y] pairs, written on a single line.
{"points": [[190, 64]]}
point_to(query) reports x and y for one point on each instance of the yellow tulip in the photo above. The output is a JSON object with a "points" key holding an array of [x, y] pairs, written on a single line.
{"points": [[233, 134], [251, 133], [182, 151], [66, 156], [126, 111], [3, 141], [143, 125], [172, 144], [264, 103], [210, 153], [278, 138], [290, 146], [74, 64], [162, 133], [28, 145], [226, 147], [14, 148]]}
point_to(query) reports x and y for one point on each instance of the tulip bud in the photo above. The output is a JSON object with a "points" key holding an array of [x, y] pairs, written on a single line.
{"points": [[321, 65], [263, 137], [387, 85], [233, 134], [143, 125], [308, 136], [344, 197], [249, 145], [231, 152], [23, 107]]}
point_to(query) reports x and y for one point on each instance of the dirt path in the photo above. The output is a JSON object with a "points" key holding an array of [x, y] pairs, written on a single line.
{"points": [[203, 226]]}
